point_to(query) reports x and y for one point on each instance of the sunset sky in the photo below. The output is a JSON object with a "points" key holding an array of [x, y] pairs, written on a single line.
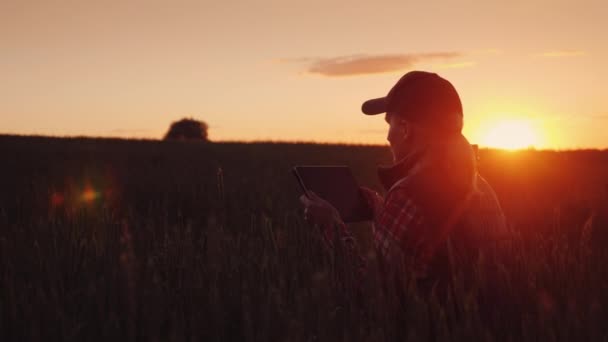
{"points": [[299, 70]]}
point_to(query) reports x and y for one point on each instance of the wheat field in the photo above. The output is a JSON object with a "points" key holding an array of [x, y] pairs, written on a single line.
{"points": [[133, 240]]}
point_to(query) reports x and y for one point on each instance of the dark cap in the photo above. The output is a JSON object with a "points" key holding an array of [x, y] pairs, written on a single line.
{"points": [[423, 97]]}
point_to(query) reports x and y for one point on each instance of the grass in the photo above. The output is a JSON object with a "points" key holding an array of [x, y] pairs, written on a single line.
{"points": [[141, 240]]}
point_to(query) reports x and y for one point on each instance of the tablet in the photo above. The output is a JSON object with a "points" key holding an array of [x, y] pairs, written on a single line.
{"points": [[336, 185]]}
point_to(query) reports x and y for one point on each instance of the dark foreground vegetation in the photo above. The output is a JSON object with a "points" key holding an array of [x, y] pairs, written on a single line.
{"points": [[144, 240]]}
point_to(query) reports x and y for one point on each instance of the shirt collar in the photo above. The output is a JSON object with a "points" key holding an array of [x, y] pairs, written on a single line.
{"points": [[391, 174]]}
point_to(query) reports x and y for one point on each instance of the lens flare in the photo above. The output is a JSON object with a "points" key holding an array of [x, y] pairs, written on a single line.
{"points": [[89, 195], [57, 199]]}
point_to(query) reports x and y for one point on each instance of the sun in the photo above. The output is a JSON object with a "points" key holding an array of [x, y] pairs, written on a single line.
{"points": [[511, 135]]}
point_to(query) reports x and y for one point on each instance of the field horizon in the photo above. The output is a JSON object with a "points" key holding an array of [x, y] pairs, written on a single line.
{"points": [[285, 142]]}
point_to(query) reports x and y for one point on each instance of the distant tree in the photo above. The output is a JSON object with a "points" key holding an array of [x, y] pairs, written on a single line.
{"points": [[187, 129]]}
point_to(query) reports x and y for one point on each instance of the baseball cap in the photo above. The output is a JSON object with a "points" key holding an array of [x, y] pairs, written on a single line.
{"points": [[423, 97]]}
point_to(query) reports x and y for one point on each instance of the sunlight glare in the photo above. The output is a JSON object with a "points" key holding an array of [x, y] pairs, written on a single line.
{"points": [[511, 135]]}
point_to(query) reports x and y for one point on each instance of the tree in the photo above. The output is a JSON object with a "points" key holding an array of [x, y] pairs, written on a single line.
{"points": [[187, 129]]}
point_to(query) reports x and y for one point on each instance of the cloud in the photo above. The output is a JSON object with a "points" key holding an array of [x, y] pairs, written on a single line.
{"points": [[459, 65], [561, 53], [598, 116], [584, 116], [487, 52], [368, 64]]}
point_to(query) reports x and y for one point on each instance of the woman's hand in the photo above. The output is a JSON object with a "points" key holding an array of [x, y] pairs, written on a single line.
{"points": [[373, 198], [319, 211]]}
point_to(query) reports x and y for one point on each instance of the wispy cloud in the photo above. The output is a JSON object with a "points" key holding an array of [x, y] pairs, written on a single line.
{"points": [[487, 52], [584, 116], [561, 53], [368, 64], [598, 116], [458, 65]]}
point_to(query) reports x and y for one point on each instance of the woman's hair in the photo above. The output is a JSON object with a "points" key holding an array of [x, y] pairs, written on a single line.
{"points": [[447, 171], [455, 156]]}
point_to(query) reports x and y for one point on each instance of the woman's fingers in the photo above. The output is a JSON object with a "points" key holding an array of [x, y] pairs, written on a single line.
{"points": [[365, 192], [317, 210], [310, 209], [305, 200], [312, 200], [313, 196], [306, 215]]}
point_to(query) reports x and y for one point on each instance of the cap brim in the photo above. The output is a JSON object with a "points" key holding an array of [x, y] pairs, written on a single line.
{"points": [[374, 106]]}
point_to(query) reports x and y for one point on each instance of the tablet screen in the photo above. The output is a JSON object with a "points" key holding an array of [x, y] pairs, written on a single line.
{"points": [[336, 185]]}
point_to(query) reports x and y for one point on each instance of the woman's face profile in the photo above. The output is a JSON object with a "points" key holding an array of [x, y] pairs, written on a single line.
{"points": [[399, 135]]}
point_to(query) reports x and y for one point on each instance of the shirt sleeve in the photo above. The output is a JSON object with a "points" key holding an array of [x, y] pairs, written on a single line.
{"points": [[398, 228]]}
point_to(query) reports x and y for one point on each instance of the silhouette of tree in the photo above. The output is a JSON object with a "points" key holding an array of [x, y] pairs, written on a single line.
{"points": [[187, 129]]}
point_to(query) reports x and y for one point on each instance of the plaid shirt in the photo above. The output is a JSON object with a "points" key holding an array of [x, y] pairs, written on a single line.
{"points": [[399, 227]]}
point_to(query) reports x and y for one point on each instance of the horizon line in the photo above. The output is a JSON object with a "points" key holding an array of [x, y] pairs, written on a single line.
{"points": [[291, 142]]}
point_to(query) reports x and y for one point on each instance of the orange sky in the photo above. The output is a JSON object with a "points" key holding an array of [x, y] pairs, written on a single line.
{"points": [[299, 70]]}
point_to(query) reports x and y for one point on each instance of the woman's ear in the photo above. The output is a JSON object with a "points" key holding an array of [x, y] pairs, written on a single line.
{"points": [[405, 128]]}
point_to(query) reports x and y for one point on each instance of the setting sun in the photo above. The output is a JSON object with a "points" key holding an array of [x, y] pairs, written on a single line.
{"points": [[511, 134]]}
